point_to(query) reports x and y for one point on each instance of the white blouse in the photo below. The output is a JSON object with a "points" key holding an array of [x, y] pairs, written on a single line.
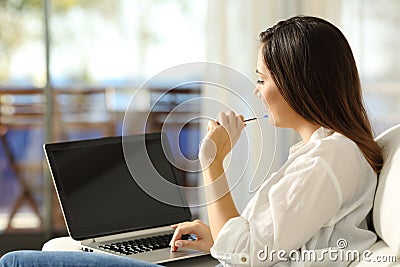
{"points": [[310, 212]]}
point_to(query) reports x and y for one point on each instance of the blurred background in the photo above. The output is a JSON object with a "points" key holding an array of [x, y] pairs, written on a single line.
{"points": [[69, 68]]}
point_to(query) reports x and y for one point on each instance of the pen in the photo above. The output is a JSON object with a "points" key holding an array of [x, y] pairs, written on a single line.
{"points": [[252, 119], [255, 118]]}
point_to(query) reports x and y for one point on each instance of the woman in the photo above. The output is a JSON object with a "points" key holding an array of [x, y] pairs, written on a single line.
{"points": [[308, 81], [320, 197]]}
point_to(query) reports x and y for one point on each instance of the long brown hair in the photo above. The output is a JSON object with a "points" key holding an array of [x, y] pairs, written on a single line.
{"points": [[314, 69]]}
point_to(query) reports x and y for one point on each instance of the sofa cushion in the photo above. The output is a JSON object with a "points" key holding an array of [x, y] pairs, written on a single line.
{"points": [[386, 210]]}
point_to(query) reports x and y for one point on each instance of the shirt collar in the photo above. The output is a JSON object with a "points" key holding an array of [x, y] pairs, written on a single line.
{"points": [[319, 134]]}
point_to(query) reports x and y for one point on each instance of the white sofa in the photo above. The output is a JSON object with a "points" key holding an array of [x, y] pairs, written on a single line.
{"points": [[386, 210]]}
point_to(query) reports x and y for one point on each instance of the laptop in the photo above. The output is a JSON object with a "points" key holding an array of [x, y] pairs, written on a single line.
{"points": [[103, 205]]}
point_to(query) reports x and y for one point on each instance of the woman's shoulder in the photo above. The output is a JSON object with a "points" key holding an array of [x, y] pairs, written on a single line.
{"points": [[344, 160], [334, 147], [335, 151]]}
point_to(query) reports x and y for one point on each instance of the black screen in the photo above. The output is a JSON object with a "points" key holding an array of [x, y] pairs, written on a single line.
{"points": [[97, 191]]}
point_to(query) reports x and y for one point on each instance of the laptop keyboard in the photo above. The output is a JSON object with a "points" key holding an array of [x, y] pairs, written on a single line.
{"points": [[142, 244]]}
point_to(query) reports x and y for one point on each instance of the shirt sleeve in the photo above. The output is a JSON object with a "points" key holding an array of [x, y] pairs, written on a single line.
{"points": [[282, 217]]}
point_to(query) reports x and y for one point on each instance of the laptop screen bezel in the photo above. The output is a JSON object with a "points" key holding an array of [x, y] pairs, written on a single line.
{"points": [[57, 179]]}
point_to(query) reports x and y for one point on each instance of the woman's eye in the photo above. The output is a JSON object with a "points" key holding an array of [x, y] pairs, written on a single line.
{"points": [[260, 82]]}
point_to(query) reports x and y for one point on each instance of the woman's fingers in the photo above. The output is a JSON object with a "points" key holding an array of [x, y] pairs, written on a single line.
{"points": [[221, 136], [212, 125], [180, 230], [241, 119], [203, 241], [190, 244], [222, 119]]}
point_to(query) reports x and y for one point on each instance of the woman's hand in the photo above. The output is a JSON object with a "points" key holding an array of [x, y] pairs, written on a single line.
{"points": [[221, 136], [203, 242]]}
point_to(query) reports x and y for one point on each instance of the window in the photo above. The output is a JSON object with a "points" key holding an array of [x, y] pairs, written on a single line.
{"points": [[371, 28], [93, 43], [22, 50], [123, 41]]}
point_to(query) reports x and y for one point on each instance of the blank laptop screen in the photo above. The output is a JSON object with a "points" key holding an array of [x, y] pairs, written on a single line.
{"points": [[97, 191]]}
